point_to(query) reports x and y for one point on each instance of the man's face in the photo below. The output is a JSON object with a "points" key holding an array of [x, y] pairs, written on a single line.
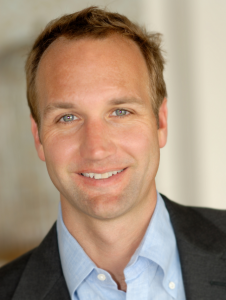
{"points": [[96, 117]]}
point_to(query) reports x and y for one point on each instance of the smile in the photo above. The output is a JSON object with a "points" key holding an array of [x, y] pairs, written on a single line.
{"points": [[101, 176]]}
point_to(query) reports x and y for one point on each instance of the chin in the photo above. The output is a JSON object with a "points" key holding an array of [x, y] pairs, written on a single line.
{"points": [[106, 209]]}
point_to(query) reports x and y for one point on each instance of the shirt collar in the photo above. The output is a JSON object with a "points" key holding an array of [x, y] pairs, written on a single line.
{"points": [[159, 246], [76, 264]]}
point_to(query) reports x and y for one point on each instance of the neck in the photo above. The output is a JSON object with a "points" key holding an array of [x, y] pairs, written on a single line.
{"points": [[110, 243]]}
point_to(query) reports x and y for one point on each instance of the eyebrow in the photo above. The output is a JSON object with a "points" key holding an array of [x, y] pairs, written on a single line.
{"points": [[65, 105], [126, 100], [58, 105]]}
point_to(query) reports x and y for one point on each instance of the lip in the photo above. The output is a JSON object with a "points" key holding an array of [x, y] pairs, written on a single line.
{"points": [[114, 179]]}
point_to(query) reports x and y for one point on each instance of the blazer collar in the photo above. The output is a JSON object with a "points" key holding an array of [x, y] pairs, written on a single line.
{"points": [[201, 245], [43, 277]]}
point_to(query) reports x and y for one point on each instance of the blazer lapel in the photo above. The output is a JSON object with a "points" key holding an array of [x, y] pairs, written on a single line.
{"points": [[43, 277], [201, 246]]}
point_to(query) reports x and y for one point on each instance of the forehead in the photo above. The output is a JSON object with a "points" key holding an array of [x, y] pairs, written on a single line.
{"points": [[91, 65]]}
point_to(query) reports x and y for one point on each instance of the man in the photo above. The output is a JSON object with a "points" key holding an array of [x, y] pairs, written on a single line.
{"points": [[98, 106]]}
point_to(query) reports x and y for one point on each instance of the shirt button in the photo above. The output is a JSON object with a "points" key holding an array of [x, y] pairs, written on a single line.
{"points": [[101, 277], [172, 285]]}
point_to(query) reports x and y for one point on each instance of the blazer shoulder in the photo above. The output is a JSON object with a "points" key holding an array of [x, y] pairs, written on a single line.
{"points": [[217, 217], [10, 275]]}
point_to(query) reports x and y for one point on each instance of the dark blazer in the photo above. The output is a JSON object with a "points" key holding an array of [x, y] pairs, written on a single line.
{"points": [[201, 240]]}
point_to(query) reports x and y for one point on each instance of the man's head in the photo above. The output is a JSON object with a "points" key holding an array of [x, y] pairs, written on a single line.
{"points": [[98, 24], [97, 117]]}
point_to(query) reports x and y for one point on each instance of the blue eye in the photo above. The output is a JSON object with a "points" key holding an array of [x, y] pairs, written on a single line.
{"points": [[121, 112], [68, 118]]}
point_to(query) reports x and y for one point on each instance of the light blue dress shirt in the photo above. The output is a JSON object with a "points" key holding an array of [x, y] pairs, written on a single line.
{"points": [[154, 271]]}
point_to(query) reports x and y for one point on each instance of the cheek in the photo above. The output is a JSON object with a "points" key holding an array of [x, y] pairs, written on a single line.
{"points": [[140, 141], [59, 149]]}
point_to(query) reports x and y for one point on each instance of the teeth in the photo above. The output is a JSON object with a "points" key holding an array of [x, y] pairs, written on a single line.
{"points": [[105, 175], [97, 176], [100, 176], [86, 174]]}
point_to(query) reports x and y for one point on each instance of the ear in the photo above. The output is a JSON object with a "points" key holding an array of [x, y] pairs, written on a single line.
{"points": [[38, 144], [162, 130]]}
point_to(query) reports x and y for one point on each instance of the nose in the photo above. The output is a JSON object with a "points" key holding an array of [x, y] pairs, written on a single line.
{"points": [[97, 142]]}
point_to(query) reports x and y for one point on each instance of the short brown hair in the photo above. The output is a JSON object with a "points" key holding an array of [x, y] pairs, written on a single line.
{"points": [[98, 23]]}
